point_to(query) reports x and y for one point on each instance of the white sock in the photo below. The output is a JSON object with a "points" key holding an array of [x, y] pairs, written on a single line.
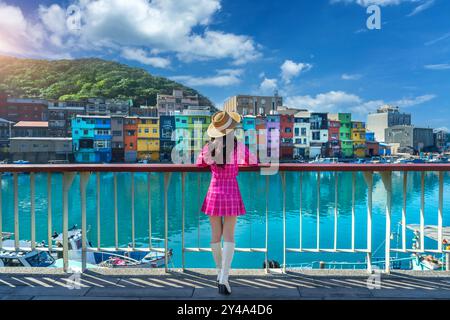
{"points": [[227, 258], [217, 255]]}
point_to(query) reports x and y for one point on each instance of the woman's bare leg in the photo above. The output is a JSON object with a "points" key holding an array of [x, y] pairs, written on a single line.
{"points": [[229, 226], [216, 229]]}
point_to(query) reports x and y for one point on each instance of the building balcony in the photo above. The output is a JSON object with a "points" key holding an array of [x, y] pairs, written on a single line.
{"points": [[303, 214]]}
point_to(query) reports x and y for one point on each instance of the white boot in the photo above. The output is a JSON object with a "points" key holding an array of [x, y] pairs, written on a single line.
{"points": [[217, 255], [227, 258]]}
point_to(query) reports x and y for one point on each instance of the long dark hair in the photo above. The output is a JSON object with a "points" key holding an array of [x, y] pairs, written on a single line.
{"points": [[225, 153]]}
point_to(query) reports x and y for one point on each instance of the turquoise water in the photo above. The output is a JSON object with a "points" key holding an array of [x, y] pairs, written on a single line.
{"points": [[250, 230]]}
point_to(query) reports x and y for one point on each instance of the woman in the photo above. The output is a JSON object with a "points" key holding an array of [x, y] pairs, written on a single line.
{"points": [[223, 202]]}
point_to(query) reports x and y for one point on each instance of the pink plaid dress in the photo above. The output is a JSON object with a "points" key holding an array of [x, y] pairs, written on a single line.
{"points": [[223, 197]]}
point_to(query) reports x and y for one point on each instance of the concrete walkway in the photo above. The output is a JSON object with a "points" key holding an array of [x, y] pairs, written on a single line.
{"points": [[48, 284]]}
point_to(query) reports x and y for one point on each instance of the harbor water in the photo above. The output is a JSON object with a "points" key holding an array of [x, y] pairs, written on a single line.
{"points": [[251, 228]]}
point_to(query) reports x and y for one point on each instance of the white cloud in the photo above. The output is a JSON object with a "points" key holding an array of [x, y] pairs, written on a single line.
{"points": [[290, 69], [443, 66], [410, 102], [325, 102], [142, 57], [445, 129], [268, 86], [366, 3], [340, 101], [223, 78], [422, 7], [347, 76], [17, 35], [181, 27]]}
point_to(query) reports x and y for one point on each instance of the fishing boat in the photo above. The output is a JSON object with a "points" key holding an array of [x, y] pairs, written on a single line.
{"points": [[25, 257], [6, 235], [325, 161], [112, 259], [426, 262]]}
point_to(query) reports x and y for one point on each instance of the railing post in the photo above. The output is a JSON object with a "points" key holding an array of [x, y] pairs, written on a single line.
{"points": [[336, 193], [440, 210], [422, 212], [266, 256], [68, 178], [98, 212], [368, 177], [353, 209], [387, 181], [133, 243], [49, 211], [84, 179], [283, 186], [149, 191], [301, 213], [33, 210], [405, 184], [1, 212], [318, 212], [116, 215], [167, 177], [183, 217], [16, 212]]}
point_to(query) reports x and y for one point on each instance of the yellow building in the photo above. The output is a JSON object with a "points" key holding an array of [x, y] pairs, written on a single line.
{"points": [[148, 139], [359, 139]]}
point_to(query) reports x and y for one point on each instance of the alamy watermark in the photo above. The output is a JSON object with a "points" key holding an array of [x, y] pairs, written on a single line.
{"points": [[261, 144], [374, 20], [374, 280]]}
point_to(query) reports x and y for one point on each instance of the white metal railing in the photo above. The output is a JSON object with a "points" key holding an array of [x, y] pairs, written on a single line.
{"points": [[69, 172]]}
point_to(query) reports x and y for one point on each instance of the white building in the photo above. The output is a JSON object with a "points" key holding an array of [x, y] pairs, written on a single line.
{"points": [[302, 134], [386, 117]]}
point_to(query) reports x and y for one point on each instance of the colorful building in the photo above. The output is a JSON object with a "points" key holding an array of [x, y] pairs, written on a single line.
{"points": [[60, 115], [148, 139], [92, 139], [372, 148], [273, 126], [359, 139], [249, 127], [261, 135], [197, 126], [166, 129], [334, 144], [286, 137], [20, 109], [345, 133], [302, 133], [130, 129], [5, 135], [319, 134], [118, 141]]}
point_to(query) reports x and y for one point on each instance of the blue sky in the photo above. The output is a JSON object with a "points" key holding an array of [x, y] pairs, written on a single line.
{"points": [[318, 54]]}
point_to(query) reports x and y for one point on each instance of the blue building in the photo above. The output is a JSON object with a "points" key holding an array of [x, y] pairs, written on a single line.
{"points": [[370, 136], [92, 139], [167, 128]]}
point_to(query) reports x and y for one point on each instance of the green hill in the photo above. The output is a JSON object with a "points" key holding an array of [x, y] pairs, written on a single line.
{"points": [[83, 78]]}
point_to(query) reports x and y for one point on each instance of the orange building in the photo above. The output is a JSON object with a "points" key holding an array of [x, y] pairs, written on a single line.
{"points": [[130, 129]]}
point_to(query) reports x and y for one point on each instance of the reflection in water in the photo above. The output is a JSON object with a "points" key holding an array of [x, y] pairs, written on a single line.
{"points": [[251, 228]]}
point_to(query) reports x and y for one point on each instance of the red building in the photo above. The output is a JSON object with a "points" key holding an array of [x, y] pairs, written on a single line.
{"points": [[130, 128], [373, 148], [17, 109], [334, 144], [286, 137]]}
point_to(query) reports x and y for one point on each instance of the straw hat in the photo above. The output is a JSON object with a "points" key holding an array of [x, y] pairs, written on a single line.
{"points": [[221, 122]]}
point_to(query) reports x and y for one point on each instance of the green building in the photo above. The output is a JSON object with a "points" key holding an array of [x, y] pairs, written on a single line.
{"points": [[345, 133]]}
